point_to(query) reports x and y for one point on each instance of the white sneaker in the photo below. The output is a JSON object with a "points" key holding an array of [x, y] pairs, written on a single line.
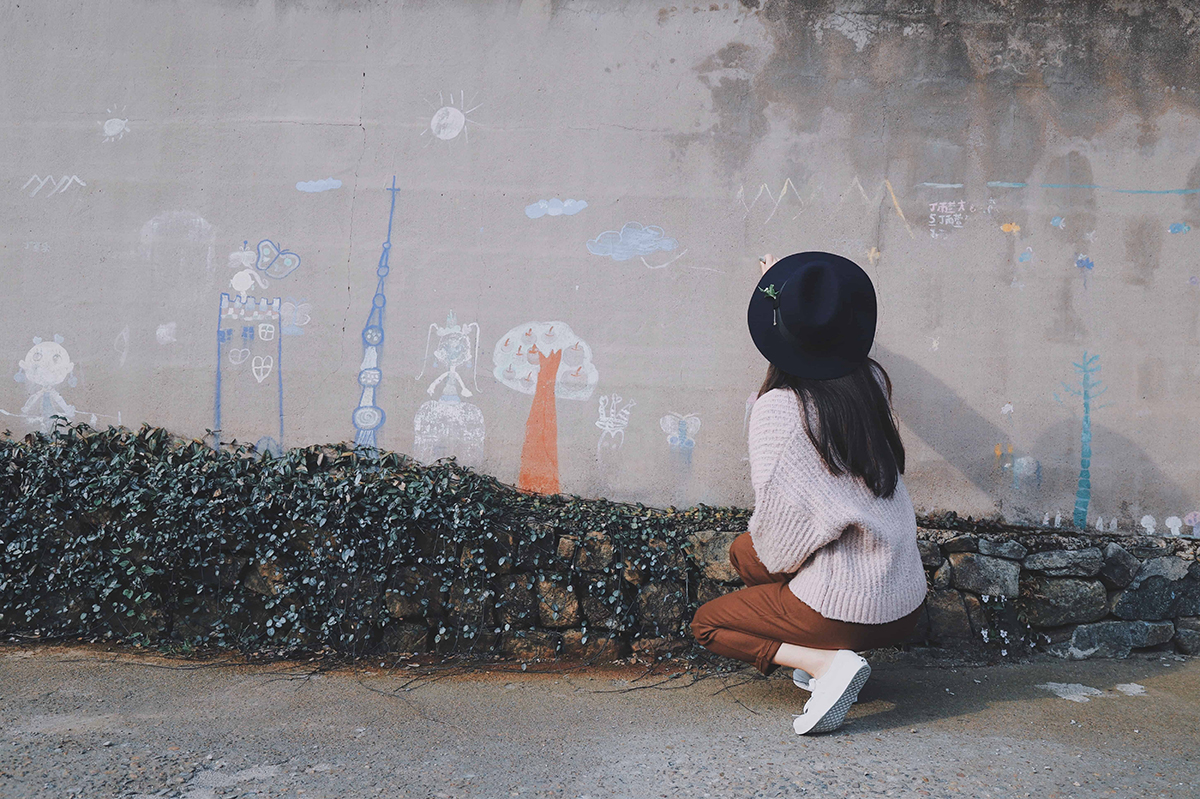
{"points": [[802, 679], [833, 693]]}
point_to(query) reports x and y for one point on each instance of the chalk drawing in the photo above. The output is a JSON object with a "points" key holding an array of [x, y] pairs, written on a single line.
{"points": [[1090, 235], [244, 281], [315, 186], [1026, 256], [1192, 520], [1100, 524], [935, 342], [1008, 185], [774, 199], [547, 360], [1179, 227], [448, 426], [46, 366], [1011, 227], [1173, 523], [296, 314], [38, 246], [681, 430], [612, 421], [941, 185], [1088, 390], [632, 241], [121, 344], [274, 260], [873, 255], [554, 207], [56, 186], [1023, 469], [179, 239], [165, 334], [1084, 264], [877, 199], [1059, 223], [1006, 409], [1148, 524], [448, 121], [1058, 520], [249, 315], [945, 217], [114, 128], [368, 417]]}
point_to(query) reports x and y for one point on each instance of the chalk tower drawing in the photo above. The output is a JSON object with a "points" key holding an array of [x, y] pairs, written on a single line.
{"points": [[1088, 390], [368, 417]]}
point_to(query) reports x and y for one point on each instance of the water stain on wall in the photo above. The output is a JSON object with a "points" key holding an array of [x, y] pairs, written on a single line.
{"points": [[1143, 243]]}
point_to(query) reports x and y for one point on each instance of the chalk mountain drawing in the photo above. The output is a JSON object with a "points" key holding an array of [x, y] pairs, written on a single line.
{"points": [[56, 186]]}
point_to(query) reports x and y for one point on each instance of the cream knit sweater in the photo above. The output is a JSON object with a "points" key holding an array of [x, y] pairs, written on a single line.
{"points": [[855, 555]]}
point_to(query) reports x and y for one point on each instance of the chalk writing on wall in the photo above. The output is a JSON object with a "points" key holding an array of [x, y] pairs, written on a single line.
{"points": [[450, 426], [368, 417], [547, 360]]}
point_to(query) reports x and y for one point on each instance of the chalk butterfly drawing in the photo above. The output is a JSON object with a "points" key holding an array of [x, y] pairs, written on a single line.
{"points": [[681, 430], [275, 261]]}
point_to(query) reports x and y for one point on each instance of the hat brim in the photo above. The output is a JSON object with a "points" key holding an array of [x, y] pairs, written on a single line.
{"points": [[760, 317]]}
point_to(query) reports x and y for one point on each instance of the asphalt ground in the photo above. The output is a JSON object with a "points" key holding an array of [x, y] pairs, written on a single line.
{"points": [[95, 721]]}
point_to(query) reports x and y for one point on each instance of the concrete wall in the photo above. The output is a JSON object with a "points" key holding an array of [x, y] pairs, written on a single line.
{"points": [[1020, 180]]}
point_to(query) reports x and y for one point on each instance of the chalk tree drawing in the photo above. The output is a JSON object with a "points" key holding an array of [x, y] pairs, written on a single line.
{"points": [[1088, 389], [368, 417], [614, 418], [681, 430], [447, 425], [449, 120], [46, 366], [114, 129], [547, 360], [56, 186]]}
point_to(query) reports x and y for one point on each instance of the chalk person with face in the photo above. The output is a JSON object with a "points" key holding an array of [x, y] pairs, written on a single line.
{"points": [[830, 561]]}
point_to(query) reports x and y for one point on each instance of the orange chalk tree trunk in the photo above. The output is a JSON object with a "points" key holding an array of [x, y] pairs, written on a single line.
{"points": [[539, 455]]}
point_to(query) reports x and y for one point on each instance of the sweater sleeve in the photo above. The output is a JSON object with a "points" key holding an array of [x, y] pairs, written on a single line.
{"points": [[789, 522]]}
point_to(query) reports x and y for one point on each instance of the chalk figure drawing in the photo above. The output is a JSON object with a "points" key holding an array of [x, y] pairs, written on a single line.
{"points": [[547, 360], [447, 425], [614, 418], [44, 368], [681, 430], [1088, 389], [449, 119], [368, 417]]}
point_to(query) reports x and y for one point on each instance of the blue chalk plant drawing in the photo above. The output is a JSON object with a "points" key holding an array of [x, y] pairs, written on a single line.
{"points": [[554, 207], [632, 241], [313, 186], [368, 417], [1088, 390]]}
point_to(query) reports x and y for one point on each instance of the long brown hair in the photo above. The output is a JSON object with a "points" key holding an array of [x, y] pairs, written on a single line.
{"points": [[850, 422]]}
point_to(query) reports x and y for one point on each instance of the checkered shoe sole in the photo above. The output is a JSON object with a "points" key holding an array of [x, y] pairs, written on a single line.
{"points": [[836, 714]]}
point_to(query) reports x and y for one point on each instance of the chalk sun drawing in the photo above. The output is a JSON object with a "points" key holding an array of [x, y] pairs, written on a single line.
{"points": [[448, 426], [554, 207], [114, 128], [449, 120]]}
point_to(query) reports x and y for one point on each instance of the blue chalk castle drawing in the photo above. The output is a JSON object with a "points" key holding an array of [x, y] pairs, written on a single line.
{"points": [[368, 417], [1088, 390]]}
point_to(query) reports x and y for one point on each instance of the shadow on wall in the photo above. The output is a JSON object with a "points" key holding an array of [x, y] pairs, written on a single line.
{"points": [[965, 440]]}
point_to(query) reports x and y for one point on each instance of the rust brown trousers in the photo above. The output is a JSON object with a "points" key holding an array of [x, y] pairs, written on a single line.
{"points": [[750, 624]]}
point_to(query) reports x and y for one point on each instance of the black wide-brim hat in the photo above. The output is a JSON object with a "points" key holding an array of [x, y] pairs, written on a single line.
{"points": [[813, 315]]}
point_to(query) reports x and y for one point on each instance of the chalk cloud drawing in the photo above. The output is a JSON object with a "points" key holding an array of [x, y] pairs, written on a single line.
{"points": [[296, 314], [114, 128], [56, 186], [612, 421], [315, 186], [633, 241], [368, 417], [448, 426], [547, 360], [1088, 390], [46, 366], [165, 334], [554, 207], [449, 120], [178, 239], [1179, 227]]}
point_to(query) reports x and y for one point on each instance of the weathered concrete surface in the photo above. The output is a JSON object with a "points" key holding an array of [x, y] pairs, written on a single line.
{"points": [[84, 722], [737, 128]]}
